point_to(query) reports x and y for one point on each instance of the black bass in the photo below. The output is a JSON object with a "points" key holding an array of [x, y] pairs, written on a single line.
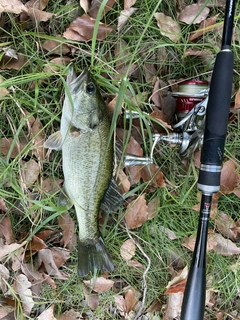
{"points": [[87, 155]]}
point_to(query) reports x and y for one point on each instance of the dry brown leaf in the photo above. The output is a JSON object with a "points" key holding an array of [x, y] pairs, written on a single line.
{"points": [[51, 184], [131, 299], [169, 233], [153, 175], [205, 26], [135, 264], [70, 315], [46, 259], [95, 5], [224, 246], [160, 117], [124, 16], [13, 6], [66, 223], [194, 13], [57, 47], [54, 65], [168, 27], [4, 275], [29, 172], [3, 91], [47, 314], [22, 288], [81, 29], [10, 248], [229, 177], [226, 226], [85, 4], [128, 4], [91, 298], [136, 212], [36, 278], [6, 230], [3, 207], [237, 100], [5, 145], [39, 15], [38, 138], [99, 284], [127, 249], [15, 63], [174, 305], [123, 182], [120, 303], [153, 207], [213, 3], [34, 246]]}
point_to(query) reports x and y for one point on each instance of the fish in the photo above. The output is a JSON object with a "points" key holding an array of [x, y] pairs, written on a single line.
{"points": [[87, 160]]}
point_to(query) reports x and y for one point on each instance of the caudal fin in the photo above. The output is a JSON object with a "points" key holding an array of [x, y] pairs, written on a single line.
{"points": [[92, 256]]}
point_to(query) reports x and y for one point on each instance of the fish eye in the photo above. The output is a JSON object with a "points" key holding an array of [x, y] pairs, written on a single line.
{"points": [[90, 88]]}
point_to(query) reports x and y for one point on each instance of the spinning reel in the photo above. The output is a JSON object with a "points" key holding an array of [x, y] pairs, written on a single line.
{"points": [[188, 129]]}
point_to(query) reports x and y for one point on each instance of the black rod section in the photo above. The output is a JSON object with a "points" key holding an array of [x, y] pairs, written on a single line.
{"points": [[195, 294], [210, 169], [228, 24]]}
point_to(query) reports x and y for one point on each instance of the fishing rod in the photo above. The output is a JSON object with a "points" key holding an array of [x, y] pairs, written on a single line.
{"points": [[210, 169]]}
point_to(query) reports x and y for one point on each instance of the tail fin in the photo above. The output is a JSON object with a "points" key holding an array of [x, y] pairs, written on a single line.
{"points": [[92, 256]]}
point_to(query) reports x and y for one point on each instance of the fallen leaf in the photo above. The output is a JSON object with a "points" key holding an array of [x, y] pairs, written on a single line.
{"points": [[91, 298], [70, 315], [54, 65], [174, 305], [46, 259], [135, 264], [120, 302], [194, 13], [178, 278], [205, 26], [10, 248], [58, 47], [229, 177], [224, 246], [237, 100], [123, 182], [81, 29], [22, 288], [136, 212], [29, 172], [131, 299], [95, 5], [226, 225], [15, 63], [36, 278], [152, 174], [51, 184], [13, 6], [128, 4], [153, 207], [3, 91], [127, 249], [34, 246], [99, 284], [85, 5], [168, 27], [4, 276], [6, 144], [124, 16], [6, 229], [47, 314], [169, 233], [3, 206], [66, 223], [38, 138]]}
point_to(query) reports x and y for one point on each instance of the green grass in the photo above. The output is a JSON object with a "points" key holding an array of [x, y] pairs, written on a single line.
{"points": [[41, 94]]}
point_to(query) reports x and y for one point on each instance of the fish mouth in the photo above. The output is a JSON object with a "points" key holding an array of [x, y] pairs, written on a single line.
{"points": [[76, 83]]}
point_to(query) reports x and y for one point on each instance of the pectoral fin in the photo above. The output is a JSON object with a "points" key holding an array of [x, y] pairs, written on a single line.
{"points": [[54, 141], [112, 199]]}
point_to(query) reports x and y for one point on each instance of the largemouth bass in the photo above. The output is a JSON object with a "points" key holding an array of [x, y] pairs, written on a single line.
{"points": [[87, 155]]}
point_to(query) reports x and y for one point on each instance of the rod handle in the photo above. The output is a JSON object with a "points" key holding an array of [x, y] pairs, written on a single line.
{"points": [[193, 305]]}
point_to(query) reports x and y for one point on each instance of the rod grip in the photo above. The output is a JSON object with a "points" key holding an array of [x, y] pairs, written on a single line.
{"points": [[193, 305], [216, 123]]}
